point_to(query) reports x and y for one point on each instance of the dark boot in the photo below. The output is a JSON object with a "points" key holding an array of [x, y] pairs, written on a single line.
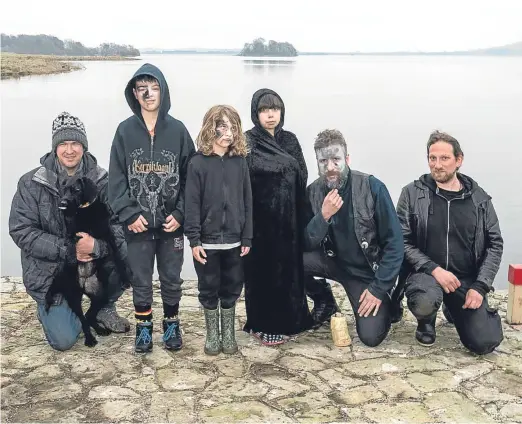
{"points": [[397, 311], [324, 302], [172, 334], [212, 342], [143, 337], [109, 319], [228, 333], [447, 315], [425, 333]]}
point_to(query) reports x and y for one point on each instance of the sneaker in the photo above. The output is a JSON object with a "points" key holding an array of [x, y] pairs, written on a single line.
{"points": [[143, 342], [172, 334], [109, 319], [269, 339]]}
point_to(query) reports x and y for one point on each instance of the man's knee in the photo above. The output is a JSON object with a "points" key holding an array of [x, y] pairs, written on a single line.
{"points": [[423, 305], [486, 340], [63, 343], [374, 330], [424, 295], [61, 326], [372, 340]]}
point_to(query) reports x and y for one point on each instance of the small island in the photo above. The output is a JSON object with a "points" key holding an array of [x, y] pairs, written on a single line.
{"points": [[45, 54], [260, 47]]}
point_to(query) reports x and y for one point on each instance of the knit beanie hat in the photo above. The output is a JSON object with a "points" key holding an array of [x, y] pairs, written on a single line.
{"points": [[68, 128]]}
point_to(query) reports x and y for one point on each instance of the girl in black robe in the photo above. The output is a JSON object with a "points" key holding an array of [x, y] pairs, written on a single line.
{"points": [[274, 276]]}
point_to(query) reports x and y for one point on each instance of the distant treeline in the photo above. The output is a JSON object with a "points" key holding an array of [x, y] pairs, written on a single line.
{"points": [[48, 44], [259, 47]]}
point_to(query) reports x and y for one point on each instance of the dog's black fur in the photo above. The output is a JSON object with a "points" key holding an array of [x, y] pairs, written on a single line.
{"points": [[83, 212]]}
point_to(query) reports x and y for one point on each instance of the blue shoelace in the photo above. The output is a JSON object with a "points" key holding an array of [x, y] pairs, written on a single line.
{"points": [[170, 329], [144, 337]]}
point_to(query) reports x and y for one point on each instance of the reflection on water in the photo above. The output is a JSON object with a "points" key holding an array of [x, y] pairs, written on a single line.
{"points": [[270, 63]]}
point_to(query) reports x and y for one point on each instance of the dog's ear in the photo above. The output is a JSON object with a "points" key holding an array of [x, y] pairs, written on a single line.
{"points": [[89, 190]]}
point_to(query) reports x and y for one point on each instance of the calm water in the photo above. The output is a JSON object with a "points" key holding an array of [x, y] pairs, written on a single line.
{"points": [[385, 106]]}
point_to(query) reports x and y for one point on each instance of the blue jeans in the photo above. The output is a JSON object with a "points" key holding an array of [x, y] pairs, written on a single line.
{"points": [[61, 325]]}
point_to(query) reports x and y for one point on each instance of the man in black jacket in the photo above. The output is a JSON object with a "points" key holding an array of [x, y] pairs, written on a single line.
{"points": [[38, 229], [148, 168], [356, 238], [453, 249]]}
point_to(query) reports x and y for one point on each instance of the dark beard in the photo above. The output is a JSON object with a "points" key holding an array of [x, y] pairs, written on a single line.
{"points": [[337, 183], [444, 179]]}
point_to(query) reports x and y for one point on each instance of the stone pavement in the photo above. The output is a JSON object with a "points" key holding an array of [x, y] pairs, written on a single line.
{"points": [[307, 379]]}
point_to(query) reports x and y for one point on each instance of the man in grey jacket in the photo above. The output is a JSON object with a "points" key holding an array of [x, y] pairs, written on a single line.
{"points": [[38, 229], [453, 249]]}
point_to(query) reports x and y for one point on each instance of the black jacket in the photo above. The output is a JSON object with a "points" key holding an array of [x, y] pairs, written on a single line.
{"points": [[218, 200], [365, 233], [413, 209], [147, 174], [38, 228]]}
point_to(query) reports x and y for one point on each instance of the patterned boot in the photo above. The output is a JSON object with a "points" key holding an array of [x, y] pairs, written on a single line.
{"points": [[228, 333], [212, 342]]}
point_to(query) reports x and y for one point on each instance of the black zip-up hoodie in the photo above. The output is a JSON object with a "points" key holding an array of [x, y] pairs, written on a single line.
{"points": [[147, 173], [218, 204], [451, 226]]}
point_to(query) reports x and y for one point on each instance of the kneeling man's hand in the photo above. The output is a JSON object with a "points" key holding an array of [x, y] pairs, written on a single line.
{"points": [[446, 279], [368, 303], [473, 300], [84, 247]]}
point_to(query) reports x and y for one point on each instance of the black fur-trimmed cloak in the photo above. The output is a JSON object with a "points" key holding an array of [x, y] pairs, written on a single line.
{"points": [[274, 274]]}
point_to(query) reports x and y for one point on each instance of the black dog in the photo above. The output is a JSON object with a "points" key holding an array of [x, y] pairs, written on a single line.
{"points": [[82, 212]]}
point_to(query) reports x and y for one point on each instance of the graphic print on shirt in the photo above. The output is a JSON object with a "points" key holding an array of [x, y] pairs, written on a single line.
{"points": [[153, 177]]}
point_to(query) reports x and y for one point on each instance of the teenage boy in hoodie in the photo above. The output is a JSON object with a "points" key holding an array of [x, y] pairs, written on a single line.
{"points": [[147, 172], [453, 248]]}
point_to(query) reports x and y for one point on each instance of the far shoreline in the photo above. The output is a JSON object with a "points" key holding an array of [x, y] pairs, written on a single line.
{"points": [[16, 65]]}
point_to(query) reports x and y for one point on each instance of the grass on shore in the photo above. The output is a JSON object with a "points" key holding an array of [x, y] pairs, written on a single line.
{"points": [[18, 65]]}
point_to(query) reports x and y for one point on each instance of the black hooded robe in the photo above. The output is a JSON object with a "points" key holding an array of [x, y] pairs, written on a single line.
{"points": [[274, 274]]}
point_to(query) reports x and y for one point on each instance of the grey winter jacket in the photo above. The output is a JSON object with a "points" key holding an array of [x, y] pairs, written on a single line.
{"points": [[413, 208], [37, 226]]}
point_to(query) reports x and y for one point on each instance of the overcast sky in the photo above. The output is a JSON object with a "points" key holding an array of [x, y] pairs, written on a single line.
{"points": [[324, 25]]}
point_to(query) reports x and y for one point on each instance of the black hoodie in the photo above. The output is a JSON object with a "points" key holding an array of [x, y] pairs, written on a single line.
{"points": [[147, 173], [451, 229]]}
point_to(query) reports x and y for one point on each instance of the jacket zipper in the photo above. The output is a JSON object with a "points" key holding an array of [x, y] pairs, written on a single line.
{"points": [[224, 201], [447, 235], [151, 159], [448, 226]]}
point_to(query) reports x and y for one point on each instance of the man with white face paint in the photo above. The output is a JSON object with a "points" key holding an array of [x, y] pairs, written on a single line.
{"points": [[353, 237]]}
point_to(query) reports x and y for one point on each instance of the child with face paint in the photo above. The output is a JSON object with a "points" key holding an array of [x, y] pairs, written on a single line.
{"points": [[147, 172], [353, 237], [218, 223], [275, 297]]}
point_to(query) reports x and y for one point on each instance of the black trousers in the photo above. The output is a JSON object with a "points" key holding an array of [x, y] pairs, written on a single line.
{"points": [[141, 255], [221, 278], [480, 330], [372, 330]]}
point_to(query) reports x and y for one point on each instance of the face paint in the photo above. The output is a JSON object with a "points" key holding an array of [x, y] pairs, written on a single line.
{"points": [[148, 94], [331, 163]]}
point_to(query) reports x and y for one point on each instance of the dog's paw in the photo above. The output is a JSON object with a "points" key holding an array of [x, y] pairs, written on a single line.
{"points": [[91, 341], [102, 331]]}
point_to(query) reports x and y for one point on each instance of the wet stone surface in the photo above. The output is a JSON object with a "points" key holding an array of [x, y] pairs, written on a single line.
{"points": [[307, 379]]}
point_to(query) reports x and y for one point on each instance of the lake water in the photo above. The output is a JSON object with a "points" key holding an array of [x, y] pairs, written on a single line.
{"points": [[385, 106]]}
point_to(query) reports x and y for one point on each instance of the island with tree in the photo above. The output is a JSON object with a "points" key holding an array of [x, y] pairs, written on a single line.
{"points": [[260, 47]]}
